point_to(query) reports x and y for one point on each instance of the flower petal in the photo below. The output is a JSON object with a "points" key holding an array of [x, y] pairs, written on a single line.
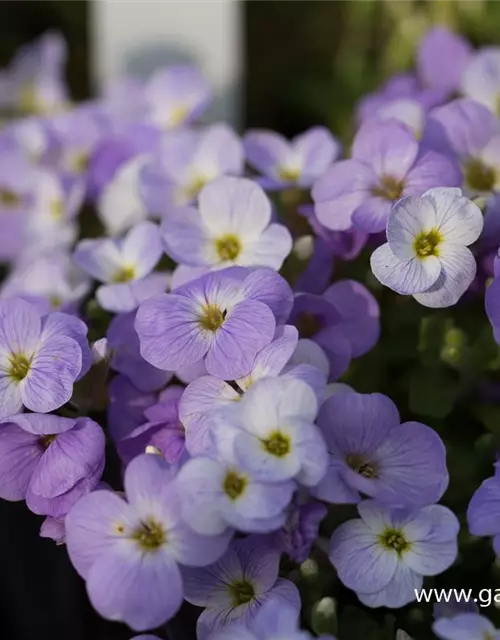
{"points": [[458, 219], [20, 453], [457, 273], [408, 218], [410, 277], [170, 333]]}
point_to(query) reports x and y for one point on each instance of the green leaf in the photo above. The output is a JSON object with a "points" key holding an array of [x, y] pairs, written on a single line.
{"points": [[433, 392]]}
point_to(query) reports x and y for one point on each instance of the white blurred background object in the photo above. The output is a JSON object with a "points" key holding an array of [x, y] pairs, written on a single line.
{"points": [[138, 36]]}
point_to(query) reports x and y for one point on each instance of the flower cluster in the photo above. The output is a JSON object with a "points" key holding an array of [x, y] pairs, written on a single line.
{"points": [[144, 318]]}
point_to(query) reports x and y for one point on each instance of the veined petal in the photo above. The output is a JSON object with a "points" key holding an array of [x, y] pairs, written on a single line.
{"points": [[458, 219], [187, 240], [142, 248], [457, 273], [408, 218], [410, 277]]}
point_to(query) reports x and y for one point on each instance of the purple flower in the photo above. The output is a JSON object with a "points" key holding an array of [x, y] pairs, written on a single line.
{"points": [[220, 494], [442, 58], [484, 510], [225, 318], [481, 78], [274, 620], [125, 266], [119, 205], [270, 432], [372, 454], [238, 585], [426, 254], [206, 394], [465, 626], [347, 245], [49, 461], [54, 529], [163, 430], [176, 96], [300, 530], [296, 163], [126, 407], [126, 358], [129, 552], [492, 303], [113, 153], [384, 555], [232, 225], [187, 160], [17, 183], [74, 136], [385, 165], [52, 282], [35, 76], [471, 132], [41, 357], [344, 322]]}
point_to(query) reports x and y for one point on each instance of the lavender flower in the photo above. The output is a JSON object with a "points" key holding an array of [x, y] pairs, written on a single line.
{"points": [[232, 226], [465, 626], [344, 322], [186, 161], [470, 131], [223, 318], [300, 530], [481, 78], [220, 494], [383, 555], [385, 166], [51, 282], [483, 510], [126, 358], [35, 77], [372, 454], [426, 254], [270, 432], [163, 429], [49, 461], [206, 394], [287, 164], [176, 96], [273, 621], [238, 585], [41, 357], [442, 58], [129, 552], [125, 266]]}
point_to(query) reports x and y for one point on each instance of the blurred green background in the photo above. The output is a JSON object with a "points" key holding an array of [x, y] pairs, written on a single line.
{"points": [[307, 61]]}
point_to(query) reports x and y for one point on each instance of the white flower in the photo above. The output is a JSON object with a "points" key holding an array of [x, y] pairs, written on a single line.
{"points": [[426, 254]]}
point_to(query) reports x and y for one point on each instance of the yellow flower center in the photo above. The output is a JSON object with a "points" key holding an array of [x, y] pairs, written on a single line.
{"points": [[79, 162], [19, 366], [56, 209], [309, 325], [9, 199], [242, 592], [479, 176], [47, 440], [361, 466], [150, 535], [194, 187], [277, 445], [389, 188], [212, 318], [234, 485], [289, 174], [228, 247], [177, 116], [394, 539], [125, 274], [427, 243]]}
